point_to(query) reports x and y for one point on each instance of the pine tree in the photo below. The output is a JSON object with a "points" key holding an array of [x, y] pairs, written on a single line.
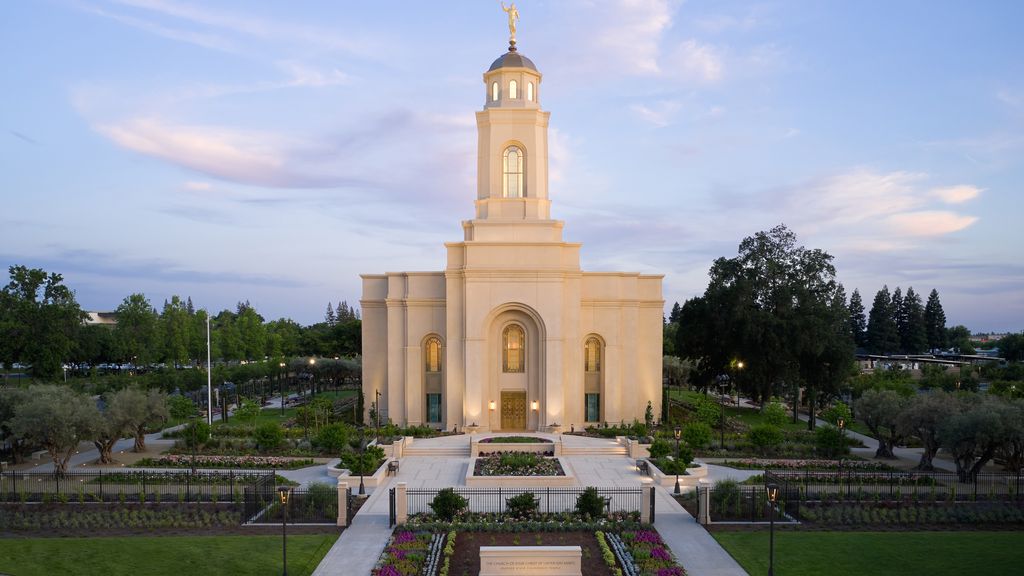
{"points": [[329, 316], [900, 317], [858, 322], [935, 322], [674, 316], [882, 335], [189, 307], [913, 338]]}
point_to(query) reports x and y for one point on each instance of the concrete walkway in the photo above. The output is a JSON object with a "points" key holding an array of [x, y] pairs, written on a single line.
{"points": [[357, 550]]}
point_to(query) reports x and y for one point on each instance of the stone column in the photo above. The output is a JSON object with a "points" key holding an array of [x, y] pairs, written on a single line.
{"points": [[342, 503], [645, 500], [401, 504], [704, 496]]}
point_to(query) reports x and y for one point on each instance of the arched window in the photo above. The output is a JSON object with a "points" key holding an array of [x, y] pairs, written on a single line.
{"points": [[514, 349], [529, 91], [513, 168], [592, 355], [433, 354], [513, 89], [494, 92]]}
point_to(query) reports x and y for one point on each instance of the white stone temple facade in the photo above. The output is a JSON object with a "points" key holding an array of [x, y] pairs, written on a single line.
{"points": [[512, 335]]}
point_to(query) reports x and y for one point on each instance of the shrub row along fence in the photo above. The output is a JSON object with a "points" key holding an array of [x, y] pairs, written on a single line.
{"points": [[552, 500], [868, 498], [133, 486], [316, 505]]}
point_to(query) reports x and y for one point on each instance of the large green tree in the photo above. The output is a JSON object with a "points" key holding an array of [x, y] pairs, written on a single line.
{"points": [[883, 338], [913, 332], [136, 330], [923, 417], [776, 307], [935, 322], [39, 321], [880, 410], [858, 321]]}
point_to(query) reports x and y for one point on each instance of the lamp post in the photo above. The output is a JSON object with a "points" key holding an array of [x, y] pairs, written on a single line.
{"points": [[376, 402], [284, 492], [721, 424], [193, 419], [312, 377], [773, 497], [675, 463], [362, 458], [281, 386]]}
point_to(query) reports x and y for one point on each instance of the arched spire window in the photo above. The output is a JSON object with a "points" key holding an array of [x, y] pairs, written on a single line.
{"points": [[514, 349], [529, 91], [592, 355], [513, 89], [433, 354], [494, 92], [513, 168]]}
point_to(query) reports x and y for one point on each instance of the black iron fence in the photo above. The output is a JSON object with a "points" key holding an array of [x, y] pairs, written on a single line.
{"points": [[896, 486], [551, 500], [316, 505], [740, 503], [133, 486]]}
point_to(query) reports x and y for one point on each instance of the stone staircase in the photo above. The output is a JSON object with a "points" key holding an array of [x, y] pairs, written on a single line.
{"points": [[446, 451], [609, 450]]}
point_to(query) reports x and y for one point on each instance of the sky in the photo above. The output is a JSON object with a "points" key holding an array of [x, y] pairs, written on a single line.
{"points": [[273, 151]]}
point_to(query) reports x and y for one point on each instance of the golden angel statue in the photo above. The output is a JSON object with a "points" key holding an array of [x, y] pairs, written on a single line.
{"points": [[513, 17]]}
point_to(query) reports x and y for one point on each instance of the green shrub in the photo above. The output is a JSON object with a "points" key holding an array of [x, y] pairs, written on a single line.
{"points": [[836, 411], [334, 437], [697, 435], [660, 448], [268, 435], [725, 494], [519, 460], [365, 463], [197, 433], [775, 414], [707, 411], [523, 505], [590, 503], [765, 438], [830, 442], [448, 504]]}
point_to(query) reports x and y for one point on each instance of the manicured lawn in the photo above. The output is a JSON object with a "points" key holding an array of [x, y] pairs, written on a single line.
{"points": [[158, 556], [877, 553]]}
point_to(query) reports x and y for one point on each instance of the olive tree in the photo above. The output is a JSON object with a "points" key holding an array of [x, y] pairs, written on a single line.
{"points": [[880, 411], [56, 418], [141, 411], [923, 417], [973, 436]]}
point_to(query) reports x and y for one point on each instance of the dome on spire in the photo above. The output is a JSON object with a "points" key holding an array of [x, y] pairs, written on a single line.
{"points": [[512, 59]]}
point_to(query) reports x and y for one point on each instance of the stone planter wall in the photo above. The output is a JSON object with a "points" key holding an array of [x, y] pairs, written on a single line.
{"points": [[374, 480], [475, 448], [520, 481], [691, 478]]}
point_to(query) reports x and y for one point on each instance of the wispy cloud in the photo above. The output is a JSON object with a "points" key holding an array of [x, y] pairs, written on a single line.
{"points": [[695, 60], [659, 114], [956, 194]]}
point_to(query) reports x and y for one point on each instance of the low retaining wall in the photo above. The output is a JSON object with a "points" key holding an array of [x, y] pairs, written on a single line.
{"points": [[374, 480], [691, 478], [521, 481], [476, 448]]}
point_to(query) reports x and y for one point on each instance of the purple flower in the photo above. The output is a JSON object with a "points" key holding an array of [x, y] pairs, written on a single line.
{"points": [[661, 554], [673, 571]]}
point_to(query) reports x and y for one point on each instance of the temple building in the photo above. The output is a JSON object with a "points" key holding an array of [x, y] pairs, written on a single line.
{"points": [[512, 335]]}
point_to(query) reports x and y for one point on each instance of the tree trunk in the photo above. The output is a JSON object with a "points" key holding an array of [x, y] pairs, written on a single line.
{"points": [[884, 449], [811, 398], [140, 440], [105, 448]]}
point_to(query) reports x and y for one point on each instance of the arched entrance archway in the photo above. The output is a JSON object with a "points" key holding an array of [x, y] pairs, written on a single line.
{"points": [[515, 368]]}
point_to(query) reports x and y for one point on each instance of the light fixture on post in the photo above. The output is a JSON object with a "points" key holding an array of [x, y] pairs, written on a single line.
{"points": [[280, 385], [535, 405], [772, 491], [677, 433], [491, 405], [842, 448], [312, 377], [284, 493]]}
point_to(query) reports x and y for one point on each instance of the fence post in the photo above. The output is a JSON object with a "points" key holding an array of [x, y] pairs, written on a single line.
{"points": [[342, 503], [401, 504], [646, 499], [704, 502]]}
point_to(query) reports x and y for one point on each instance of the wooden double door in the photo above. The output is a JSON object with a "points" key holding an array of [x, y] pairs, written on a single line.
{"points": [[513, 411]]}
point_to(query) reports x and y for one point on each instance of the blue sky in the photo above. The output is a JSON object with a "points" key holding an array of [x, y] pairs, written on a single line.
{"points": [[273, 151]]}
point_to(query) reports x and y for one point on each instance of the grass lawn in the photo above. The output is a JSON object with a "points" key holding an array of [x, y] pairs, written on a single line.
{"points": [[166, 555], [877, 553]]}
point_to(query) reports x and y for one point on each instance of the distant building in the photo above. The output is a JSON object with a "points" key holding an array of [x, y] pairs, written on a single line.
{"points": [[101, 319]]}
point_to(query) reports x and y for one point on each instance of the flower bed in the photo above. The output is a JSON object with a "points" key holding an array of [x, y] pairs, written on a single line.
{"points": [[91, 519], [805, 464], [643, 553], [245, 462], [514, 440], [183, 478], [406, 554], [913, 515], [540, 522], [863, 479], [517, 464]]}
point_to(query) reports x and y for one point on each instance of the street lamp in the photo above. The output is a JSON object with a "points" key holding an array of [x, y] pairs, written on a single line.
{"points": [[284, 493], [677, 433], [773, 497], [362, 459], [842, 447], [281, 386], [193, 419], [722, 385], [312, 377], [376, 403]]}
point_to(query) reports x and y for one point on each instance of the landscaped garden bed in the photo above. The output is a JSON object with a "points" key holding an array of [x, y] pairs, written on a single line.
{"points": [[92, 518], [805, 464], [527, 469], [239, 462], [514, 440]]}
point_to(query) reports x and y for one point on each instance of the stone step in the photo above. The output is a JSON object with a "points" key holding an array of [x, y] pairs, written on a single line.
{"points": [[462, 452], [620, 451]]}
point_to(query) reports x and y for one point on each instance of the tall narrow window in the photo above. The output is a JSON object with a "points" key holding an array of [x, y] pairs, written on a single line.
{"points": [[433, 408], [513, 167], [433, 355], [513, 89], [494, 92], [592, 407], [514, 344], [592, 355], [529, 91]]}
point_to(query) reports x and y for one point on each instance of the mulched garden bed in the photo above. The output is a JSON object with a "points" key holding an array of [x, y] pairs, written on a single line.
{"points": [[466, 559]]}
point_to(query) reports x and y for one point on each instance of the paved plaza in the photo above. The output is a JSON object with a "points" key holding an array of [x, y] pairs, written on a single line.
{"points": [[433, 465]]}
